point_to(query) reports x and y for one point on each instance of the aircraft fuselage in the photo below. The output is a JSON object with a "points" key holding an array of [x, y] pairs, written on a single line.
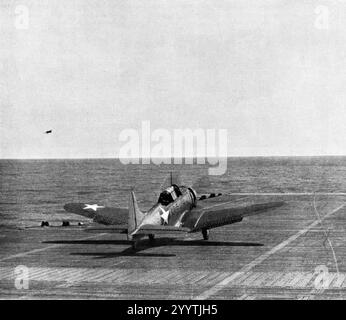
{"points": [[173, 213]]}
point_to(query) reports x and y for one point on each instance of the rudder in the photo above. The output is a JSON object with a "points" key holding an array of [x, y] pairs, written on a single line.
{"points": [[135, 215]]}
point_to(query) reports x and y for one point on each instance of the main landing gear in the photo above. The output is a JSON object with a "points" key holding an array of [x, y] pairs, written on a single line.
{"points": [[135, 241], [205, 233]]}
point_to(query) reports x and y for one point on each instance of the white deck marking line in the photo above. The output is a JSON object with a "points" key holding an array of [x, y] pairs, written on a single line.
{"points": [[288, 280], [338, 282], [241, 279], [306, 280], [319, 291], [274, 277], [221, 276], [209, 278], [282, 279], [23, 254], [253, 276], [198, 277], [296, 280], [219, 286]]}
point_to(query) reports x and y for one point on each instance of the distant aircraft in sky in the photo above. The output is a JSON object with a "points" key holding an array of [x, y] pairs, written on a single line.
{"points": [[178, 209], [48, 131]]}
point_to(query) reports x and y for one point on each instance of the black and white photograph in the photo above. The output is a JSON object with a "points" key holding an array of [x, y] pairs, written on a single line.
{"points": [[179, 150]]}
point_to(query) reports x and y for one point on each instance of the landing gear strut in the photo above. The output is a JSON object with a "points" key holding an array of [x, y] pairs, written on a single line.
{"points": [[205, 233], [134, 245]]}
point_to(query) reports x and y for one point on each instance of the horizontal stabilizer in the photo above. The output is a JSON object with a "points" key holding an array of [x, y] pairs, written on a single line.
{"points": [[107, 229], [156, 229]]}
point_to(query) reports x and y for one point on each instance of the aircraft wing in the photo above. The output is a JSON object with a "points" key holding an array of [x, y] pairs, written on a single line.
{"points": [[99, 213], [218, 212]]}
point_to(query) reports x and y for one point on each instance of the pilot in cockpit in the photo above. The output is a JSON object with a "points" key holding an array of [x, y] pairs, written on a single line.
{"points": [[169, 195]]}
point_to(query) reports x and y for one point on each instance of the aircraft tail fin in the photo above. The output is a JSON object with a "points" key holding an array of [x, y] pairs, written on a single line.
{"points": [[135, 215]]}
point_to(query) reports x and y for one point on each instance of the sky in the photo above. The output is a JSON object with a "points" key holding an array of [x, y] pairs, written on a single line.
{"points": [[271, 73]]}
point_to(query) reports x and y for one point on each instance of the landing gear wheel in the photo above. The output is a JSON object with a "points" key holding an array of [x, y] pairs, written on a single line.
{"points": [[134, 245], [151, 237], [205, 233]]}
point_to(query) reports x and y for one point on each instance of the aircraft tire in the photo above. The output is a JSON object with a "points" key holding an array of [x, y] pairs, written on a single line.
{"points": [[151, 237], [205, 233]]}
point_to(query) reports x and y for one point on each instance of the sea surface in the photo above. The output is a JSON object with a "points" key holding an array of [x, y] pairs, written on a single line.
{"points": [[36, 190]]}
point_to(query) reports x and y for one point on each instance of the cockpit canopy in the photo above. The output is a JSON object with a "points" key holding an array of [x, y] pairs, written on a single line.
{"points": [[169, 195]]}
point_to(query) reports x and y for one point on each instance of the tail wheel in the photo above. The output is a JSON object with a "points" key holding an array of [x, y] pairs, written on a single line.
{"points": [[205, 233]]}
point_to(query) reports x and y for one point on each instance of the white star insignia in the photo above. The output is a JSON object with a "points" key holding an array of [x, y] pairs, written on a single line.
{"points": [[92, 207], [165, 215]]}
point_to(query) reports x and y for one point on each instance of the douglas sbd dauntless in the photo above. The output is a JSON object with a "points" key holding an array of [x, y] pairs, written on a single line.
{"points": [[178, 209]]}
